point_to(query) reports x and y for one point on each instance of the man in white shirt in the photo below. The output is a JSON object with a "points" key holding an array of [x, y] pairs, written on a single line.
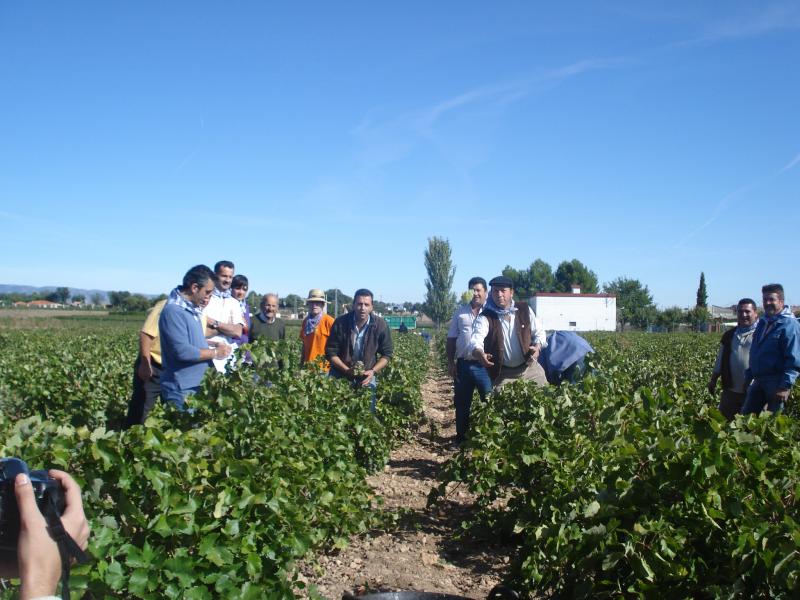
{"points": [[223, 313], [507, 337], [467, 373]]}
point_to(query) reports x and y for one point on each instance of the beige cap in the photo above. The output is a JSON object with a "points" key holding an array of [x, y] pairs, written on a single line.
{"points": [[316, 295]]}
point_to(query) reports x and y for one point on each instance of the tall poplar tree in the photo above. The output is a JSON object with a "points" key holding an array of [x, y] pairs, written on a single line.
{"points": [[702, 295], [439, 299]]}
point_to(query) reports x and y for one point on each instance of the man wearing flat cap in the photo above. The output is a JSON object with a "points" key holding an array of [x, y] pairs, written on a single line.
{"points": [[507, 337]]}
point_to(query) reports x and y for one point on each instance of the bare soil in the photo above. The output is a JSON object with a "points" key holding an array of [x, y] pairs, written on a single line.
{"points": [[419, 553]]}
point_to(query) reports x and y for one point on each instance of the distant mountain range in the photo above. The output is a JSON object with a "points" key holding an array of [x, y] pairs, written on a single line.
{"points": [[29, 289]]}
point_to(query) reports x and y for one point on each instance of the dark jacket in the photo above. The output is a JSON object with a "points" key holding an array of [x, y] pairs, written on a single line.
{"points": [[493, 343], [725, 365], [377, 341], [776, 354]]}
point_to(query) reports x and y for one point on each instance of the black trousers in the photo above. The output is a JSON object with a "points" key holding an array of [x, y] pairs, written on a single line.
{"points": [[145, 394]]}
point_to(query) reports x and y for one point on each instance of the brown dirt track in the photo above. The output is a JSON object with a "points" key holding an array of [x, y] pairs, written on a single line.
{"points": [[419, 553]]}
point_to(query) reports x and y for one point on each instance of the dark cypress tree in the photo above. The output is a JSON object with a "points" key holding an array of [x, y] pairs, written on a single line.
{"points": [[702, 295]]}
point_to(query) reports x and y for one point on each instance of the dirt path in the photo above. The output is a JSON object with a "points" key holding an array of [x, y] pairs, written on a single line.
{"points": [[418, 554]]}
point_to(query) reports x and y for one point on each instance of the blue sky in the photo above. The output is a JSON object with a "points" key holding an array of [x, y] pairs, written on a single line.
{"points": [[322, 144]]}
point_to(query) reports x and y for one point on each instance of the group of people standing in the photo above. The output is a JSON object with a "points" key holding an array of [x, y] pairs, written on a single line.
{"points": [[206, 317], [759, 360], [493, 340]]}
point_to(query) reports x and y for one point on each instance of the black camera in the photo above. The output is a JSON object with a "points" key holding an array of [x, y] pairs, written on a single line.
{"points": [[46, 490]]}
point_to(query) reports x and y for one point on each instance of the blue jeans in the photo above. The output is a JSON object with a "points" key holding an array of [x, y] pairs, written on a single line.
{"points": [[373, 403], [175, 396], [762, 393], [470, 374]]}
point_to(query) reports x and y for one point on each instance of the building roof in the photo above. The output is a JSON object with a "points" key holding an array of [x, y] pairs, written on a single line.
{"points": [[569, 295], [723, 312]]}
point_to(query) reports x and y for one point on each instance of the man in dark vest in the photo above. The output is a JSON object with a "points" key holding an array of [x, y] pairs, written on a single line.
{"points": [[507, 337], [733, 358]]}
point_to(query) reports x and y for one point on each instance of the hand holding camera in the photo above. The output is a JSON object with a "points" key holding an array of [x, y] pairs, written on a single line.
{"points": [[27, 549]]}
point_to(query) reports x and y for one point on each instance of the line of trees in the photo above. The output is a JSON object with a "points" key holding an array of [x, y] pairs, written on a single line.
{"points": [[124, 301], [540, 277], [61, 295], [635, 306]]}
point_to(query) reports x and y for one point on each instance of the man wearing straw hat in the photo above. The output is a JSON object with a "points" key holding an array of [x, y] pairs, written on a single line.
{"points": [[315, 329]]}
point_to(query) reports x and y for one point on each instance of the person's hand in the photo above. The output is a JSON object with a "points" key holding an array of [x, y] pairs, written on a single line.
{"points": [[535, 350], [145, 370], [39, 562], [484, 358], [222, 350], [367, 375], [782, 396], [451, 370], [712, 386]]}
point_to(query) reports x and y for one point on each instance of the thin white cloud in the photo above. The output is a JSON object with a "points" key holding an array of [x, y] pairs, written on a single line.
{"points": [[584, 66], [186, 160], [791, 164], [717, 212], [778, 17], [258, 221], [19, 218], [500, 94], [388, 140], [725, 202]]}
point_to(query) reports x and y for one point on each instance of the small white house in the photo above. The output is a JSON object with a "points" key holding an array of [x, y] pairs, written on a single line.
{"points": [[575, 311]]}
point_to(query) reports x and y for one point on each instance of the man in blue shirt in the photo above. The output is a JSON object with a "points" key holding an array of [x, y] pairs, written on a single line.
{"points": [[185, 352], [774, 354]]}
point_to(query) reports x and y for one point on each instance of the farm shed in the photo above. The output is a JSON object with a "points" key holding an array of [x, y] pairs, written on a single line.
{"points": [[44, 304], [576, 311]]}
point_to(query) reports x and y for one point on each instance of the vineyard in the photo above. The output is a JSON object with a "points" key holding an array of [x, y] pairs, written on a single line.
{"points": [[632, 484], [627, 484], [219, 503]]}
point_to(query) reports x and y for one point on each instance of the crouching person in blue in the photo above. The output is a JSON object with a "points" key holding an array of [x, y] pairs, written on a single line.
{"points": [[185, 353], [358, 337], [774, 355], [563, 357]]}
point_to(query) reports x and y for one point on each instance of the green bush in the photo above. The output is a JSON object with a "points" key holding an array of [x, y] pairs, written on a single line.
{"points": [[631, 483], [222, 501]]}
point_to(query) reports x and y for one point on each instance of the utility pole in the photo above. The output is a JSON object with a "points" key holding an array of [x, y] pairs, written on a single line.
{"points": [[335, 302]]}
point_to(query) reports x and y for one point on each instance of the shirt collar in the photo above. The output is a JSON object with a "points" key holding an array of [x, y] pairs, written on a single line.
{"points": [[369, 320]]}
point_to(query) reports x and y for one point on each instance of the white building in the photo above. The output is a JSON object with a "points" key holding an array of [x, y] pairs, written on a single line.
{"points": [[576, 311]]}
